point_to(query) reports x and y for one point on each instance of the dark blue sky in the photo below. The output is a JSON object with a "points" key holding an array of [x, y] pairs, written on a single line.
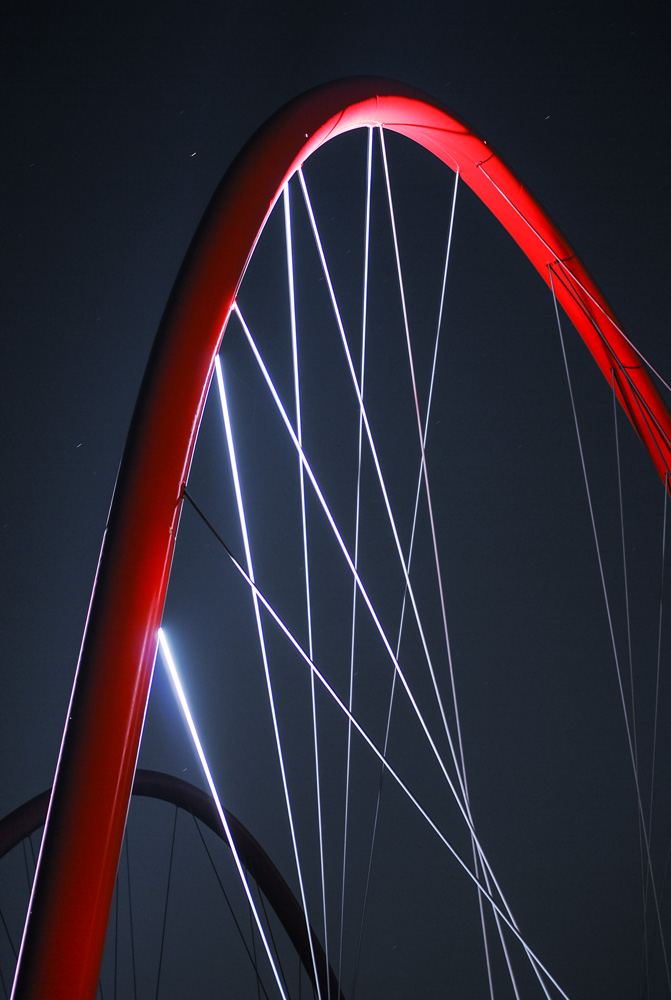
{"points": [[118, 124]]}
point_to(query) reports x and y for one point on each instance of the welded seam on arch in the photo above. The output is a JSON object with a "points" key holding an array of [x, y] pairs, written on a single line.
{"points": [[264, 654], [369, 742], [553, 253], [644, 408]]}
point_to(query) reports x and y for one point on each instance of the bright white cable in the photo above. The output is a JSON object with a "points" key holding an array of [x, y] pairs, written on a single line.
{"points": [[458, 770], [378, 468], [173, 673], [410, 554], [364, 325], [362, 590], [306, 560], [264, 655], [388, 767], [425, 470], [463, 807], [424, 473]]}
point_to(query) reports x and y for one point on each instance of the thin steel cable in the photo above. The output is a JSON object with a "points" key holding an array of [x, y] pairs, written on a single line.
{"points": [[575, 281], [252, 958], [2, 983], [350, 563], [644, 409], [376, 461], [409, 588], [9, 936], [611, 630], [425, 472], [306, 559], [460, 764], [165, 907], [655, 725], [392, 523], [264, 653], [172, 671], [130, 917], [287, 422], [368, 602], [625, 574], [409, 562], [29, 878], [659, 656], [364, 325], [116, 934], [270, 931], [258, 984], [284, 628]]}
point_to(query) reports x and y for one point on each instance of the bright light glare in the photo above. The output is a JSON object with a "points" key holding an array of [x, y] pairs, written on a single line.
{"points": [[171, 667]]}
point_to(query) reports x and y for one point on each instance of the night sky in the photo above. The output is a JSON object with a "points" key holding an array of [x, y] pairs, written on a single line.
{"points": [[117, 126]]}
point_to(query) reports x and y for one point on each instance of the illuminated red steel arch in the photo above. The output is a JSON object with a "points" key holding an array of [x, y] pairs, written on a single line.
{"points": [[65, 932]]}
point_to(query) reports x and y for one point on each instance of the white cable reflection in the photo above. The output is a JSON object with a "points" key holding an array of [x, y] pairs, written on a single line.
{"points": [[171, 667]]}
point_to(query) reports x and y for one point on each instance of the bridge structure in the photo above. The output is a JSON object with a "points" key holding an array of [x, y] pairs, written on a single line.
{"points": [[73, 889]]}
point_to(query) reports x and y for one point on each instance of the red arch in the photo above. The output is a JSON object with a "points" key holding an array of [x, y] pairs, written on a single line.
{"points": [[64, 937]]}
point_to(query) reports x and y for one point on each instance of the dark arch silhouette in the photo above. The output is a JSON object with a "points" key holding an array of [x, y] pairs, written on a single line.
{"points": [[29, 817]]}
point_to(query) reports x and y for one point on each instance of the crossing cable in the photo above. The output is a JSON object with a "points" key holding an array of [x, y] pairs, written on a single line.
{"points": [[284, 628]]}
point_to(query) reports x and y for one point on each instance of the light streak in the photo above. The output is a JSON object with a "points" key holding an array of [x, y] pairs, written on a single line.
{"points": [[171, 667], [264, 654]]}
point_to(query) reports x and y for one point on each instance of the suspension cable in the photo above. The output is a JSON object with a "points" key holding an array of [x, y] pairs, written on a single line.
{"points": [[165, 907], [284, 628], [439, 577], [171, 668], [611, 629], [350, 703], [250, 956], [264, 654], [306, 560], [378, 469]]}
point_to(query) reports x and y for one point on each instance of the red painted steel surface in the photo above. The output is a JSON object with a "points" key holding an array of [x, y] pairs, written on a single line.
{"points": [[65, 931]]}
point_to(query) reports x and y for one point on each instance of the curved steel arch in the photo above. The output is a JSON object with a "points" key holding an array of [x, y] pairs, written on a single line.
{"points": [[65, 930], [30, 816]]}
